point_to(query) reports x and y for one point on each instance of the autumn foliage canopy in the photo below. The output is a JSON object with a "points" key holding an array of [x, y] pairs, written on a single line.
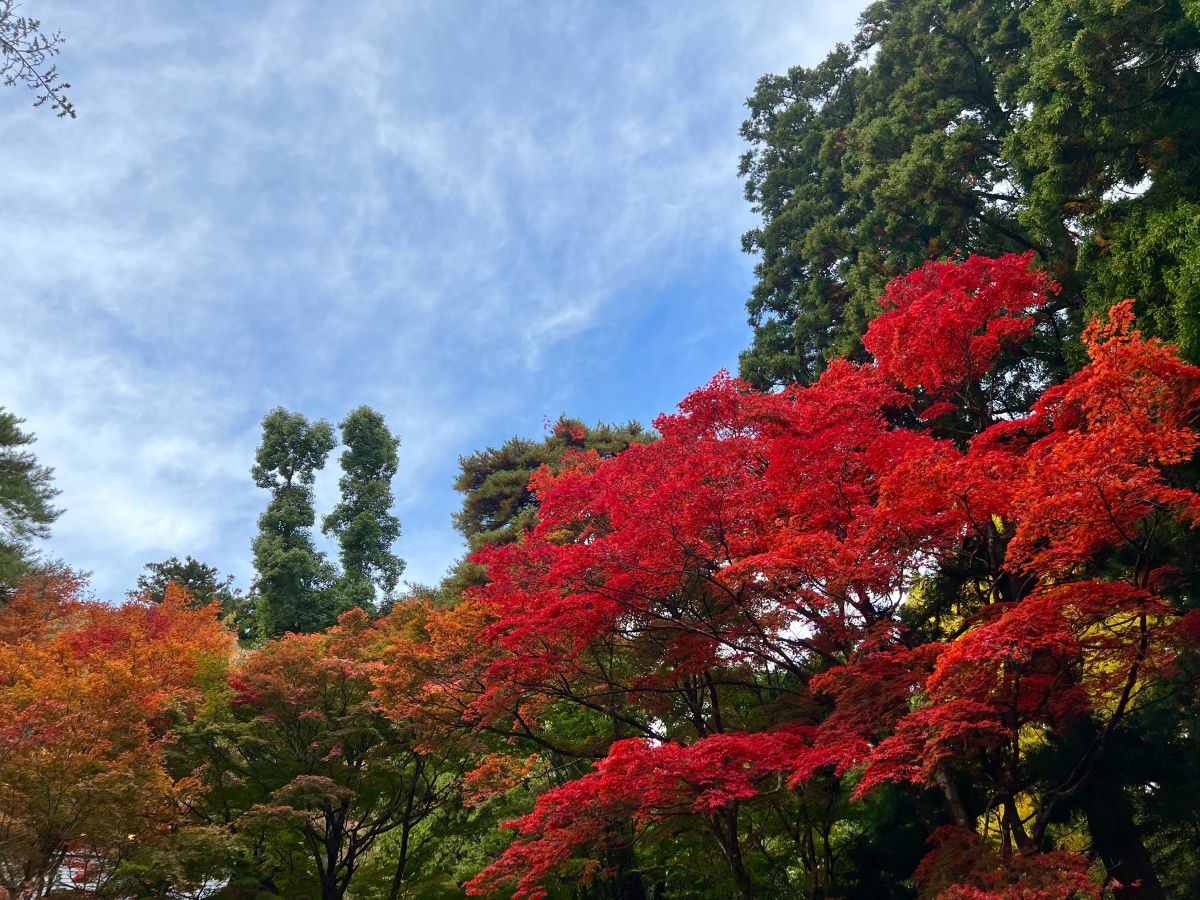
{"points": [[88, 692], [898, 606], [882, 579]]}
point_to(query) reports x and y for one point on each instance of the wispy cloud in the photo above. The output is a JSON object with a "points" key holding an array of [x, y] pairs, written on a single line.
{"points": [[469, 217]]}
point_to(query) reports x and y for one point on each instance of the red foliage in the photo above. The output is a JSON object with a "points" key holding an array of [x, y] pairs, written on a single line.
{"points": [[962, 867], [871, 696], [786, 533], [637, 781], [1112, 430], [945, 323]]}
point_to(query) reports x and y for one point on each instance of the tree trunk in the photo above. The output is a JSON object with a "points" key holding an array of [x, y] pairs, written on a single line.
{"points": [[950, 794], [741, 878], [402, 862], [330, 889], [626, 884], [1118, 841], [725, 827]]}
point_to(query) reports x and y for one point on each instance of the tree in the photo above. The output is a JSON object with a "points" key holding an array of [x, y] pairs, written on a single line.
{"points": [[431, 671], [888, 581], [26, 501], [1110, 89], [291, 591], [499, 504], [204, 585], [363, 522], [986, 127], [616, 605], [25, 51], [86, 695], [302, 764]]}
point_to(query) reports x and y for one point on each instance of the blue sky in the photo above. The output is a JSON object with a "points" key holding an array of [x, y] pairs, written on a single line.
{"points": [[472, 217]]}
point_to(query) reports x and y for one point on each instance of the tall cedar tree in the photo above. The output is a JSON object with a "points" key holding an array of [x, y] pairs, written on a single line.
{"points": [[26, 502], [363, 522], [292, 589], [1065, 127]]}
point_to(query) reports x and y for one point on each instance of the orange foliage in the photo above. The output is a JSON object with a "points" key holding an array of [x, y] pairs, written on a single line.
{"points": [[84, 692]]}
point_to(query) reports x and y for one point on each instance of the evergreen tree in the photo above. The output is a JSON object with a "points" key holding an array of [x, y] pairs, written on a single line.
{"points": [[204, 584], [1112, 90], [292, 590], [498, 504], [26, 501], [1065, 127], [362, 522]]}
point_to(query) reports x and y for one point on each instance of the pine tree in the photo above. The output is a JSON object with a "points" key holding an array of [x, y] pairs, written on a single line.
{"points": [[498, 503], [204, 585], [26, 498]]}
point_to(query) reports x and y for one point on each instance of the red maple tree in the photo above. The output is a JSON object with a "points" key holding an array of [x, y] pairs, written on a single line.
{"points": [[838, 583]]}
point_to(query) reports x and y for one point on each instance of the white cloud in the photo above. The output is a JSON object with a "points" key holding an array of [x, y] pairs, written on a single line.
{"points": [[457, 214]]}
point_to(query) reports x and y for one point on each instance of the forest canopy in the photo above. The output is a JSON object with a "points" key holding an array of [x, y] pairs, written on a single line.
{"points": [[910, 608]]}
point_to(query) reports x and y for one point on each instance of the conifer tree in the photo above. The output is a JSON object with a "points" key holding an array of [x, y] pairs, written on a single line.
{"points": [[292, 589], [26, 498], [204, 585], [363, 522], [1063, 127], [499, 504]]}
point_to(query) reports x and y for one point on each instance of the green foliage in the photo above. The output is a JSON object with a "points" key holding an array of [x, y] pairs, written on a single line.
{"points": [[1112, 88], [205, 585], [443, 851], [193, 858], [1161, 751], [498, 505], [1153, 255], [1110, 92], [26, 501], [1062, 126], [880, 848], [291, 592], [882, 156], [362, 522], [497, 502], [298, 761]]}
